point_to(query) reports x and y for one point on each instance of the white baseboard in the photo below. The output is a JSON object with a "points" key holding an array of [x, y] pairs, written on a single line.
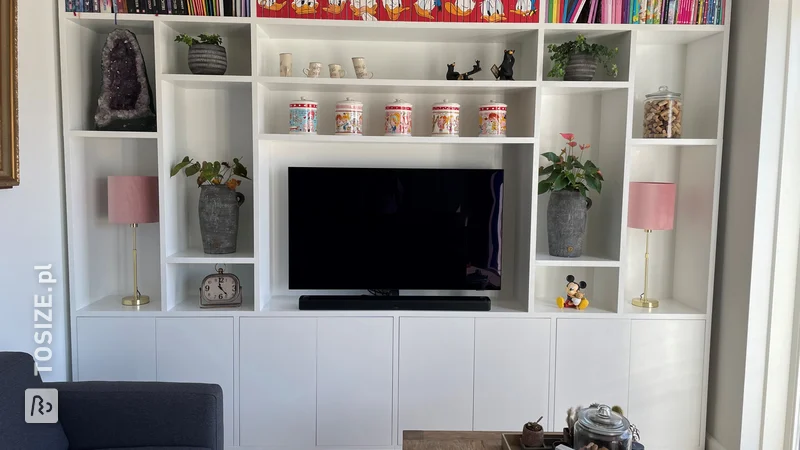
{"points": [[713, 444]]}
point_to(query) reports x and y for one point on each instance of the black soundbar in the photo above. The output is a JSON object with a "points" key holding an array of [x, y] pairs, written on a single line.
{"points": [[403, 302]]}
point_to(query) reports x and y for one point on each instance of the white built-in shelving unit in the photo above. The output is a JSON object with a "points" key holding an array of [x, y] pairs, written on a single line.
{"points": [[244, 113]]}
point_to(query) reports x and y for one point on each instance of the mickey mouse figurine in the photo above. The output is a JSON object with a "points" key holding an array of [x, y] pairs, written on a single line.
{"points": [[575, 297]]}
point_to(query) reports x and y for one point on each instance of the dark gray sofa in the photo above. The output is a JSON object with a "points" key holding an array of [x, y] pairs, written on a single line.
{"points": [[109, 415]]}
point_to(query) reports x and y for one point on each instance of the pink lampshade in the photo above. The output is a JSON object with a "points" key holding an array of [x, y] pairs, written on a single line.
{"points": [[132, 199], [651, 206]]}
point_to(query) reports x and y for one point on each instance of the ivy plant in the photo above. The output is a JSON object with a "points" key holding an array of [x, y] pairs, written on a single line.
{"points": [[568, 170], [563, 52], [213, 39]]}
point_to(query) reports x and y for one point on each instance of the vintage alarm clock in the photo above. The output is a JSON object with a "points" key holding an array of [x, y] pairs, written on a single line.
{"points": [[220, 289]]}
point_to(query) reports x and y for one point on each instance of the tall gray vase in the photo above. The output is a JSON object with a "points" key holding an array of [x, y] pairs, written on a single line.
{"points": [[566, 223], [208, 59], [581, 67], [219, 218]]}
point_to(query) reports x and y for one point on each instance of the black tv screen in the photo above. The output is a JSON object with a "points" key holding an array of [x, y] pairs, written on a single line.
{"points": [[357, 228]]}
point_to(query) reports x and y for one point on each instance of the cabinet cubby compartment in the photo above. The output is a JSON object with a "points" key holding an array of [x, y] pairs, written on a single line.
{"points": [[211, 123], [601, 288], [235, 38], [681, 258], [408, 53], [691, 66], [598, 119], [272, 188], [610, 38], [81, 65], [102, 249], [274, 110], [184, 282]]}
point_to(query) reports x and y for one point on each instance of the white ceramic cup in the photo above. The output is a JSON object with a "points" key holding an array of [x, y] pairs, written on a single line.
{"points": [[360, 66], [336, 71], [314, 69], [286, 64]]}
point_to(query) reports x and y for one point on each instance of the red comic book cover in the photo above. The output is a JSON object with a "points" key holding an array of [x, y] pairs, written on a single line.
{"points": [[494, 10], [395, 10], [273, 8], [303, 9], [461, 10], [335, 10], [366, 10], [428, 11], [523, 11]]}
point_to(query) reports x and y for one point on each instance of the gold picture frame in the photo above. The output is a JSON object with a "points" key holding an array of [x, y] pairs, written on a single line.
{"points": [[9, 107]]}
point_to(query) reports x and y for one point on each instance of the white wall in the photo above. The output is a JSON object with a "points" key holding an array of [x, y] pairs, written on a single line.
{"points": [[744, 302], [31, 215]]}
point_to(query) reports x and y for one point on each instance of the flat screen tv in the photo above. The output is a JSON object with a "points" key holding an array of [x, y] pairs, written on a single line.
{"points": [[425, 229]]}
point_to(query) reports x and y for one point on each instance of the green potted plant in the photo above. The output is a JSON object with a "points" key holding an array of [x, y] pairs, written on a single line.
{"points": [[219, 202], [577, 60], [568, 178], [207, 56]]}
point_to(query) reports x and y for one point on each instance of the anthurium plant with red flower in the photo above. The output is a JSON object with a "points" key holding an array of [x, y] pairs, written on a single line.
{"points": [[569, 171]]}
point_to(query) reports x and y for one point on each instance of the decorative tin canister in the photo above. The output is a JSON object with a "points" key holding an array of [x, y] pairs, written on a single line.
{"points": [[398, 118], [492, 119], [444, 119], [303, 116], [349, 117]]}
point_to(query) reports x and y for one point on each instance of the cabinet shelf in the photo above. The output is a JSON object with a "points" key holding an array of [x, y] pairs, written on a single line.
{"points": [[191, 306], [393, 85], [111, 305], [398, 139], [197, 256], [93, 134], [545, 260], [666, 307], [206, 81], [558, 87], [643, 142]]}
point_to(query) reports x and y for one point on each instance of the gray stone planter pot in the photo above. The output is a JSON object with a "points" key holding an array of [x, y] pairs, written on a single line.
{"points": [[566, 223], [208, 59], [219, 218], [581, 67]]}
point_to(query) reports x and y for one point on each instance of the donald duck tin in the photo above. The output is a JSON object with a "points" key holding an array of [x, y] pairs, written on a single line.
{"points": [[492, 119], [444, 119], [349, 117], [303, 116], [398, 118]]}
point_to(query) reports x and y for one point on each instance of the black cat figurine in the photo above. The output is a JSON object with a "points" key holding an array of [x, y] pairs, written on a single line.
{"points": [[453, 75], [506, 69]]}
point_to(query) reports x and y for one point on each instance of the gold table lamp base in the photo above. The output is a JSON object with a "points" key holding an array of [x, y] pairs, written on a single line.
{"points": [[138, 300], [645, 303]]}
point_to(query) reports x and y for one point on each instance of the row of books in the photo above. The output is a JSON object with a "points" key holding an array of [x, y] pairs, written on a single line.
{"points": [[689, 12], [234, 8]]}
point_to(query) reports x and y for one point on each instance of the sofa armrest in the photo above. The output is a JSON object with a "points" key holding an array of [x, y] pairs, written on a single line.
{"points": [[100, 414]]}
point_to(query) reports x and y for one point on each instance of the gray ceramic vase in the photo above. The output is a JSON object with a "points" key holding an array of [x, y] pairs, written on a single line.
{"points": [[581, 67], [219, 218], [208, 59], [566, 223]]}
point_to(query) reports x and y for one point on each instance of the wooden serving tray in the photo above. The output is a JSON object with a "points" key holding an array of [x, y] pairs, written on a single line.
{"points": [[511, 441]]}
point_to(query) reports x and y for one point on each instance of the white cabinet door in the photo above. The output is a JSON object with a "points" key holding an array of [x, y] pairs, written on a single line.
{"points": [[354, 384], [512, 373], [116, 349], [198, 350], [277, 371], [436, 368], [592, 363], [667, 382]]}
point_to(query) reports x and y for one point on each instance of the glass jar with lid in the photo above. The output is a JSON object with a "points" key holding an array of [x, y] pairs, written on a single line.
{"points": [[663, 111], [600, 428]]}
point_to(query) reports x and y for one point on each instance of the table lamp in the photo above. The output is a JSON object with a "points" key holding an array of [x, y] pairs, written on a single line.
{"points": [[133, 200], [651, 206]]}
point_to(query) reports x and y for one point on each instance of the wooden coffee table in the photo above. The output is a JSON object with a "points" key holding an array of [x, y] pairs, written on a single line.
{"points": [[454, 440]]}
